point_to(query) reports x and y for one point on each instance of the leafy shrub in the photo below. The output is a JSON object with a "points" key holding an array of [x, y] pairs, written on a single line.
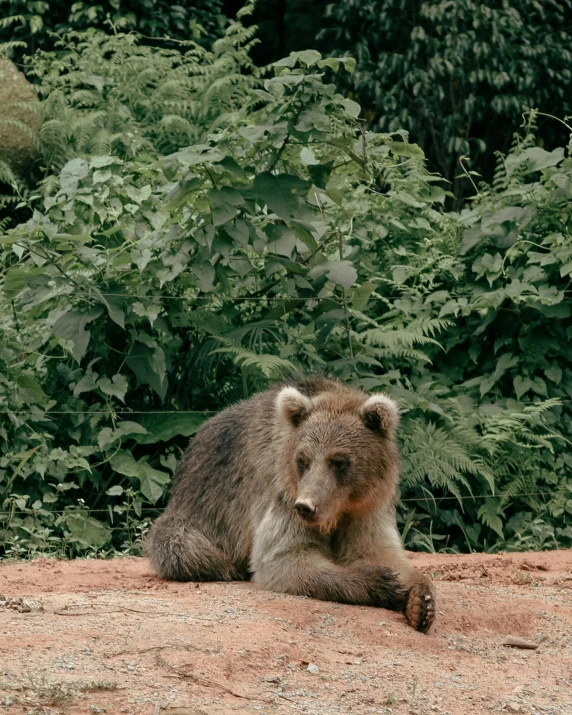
{"points": [[31, 25], [148, 291], [457, 75], [107, 94]]}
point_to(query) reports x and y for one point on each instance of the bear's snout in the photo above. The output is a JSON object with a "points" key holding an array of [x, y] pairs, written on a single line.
{"points": [[306, 510]]}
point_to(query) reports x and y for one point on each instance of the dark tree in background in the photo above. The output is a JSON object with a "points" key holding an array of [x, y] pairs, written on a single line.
{"points": [[284, 26], [37, 21], [457, 75]]}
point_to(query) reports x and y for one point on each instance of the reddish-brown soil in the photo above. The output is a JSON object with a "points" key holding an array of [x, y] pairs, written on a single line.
{"points": [[108, 636]]}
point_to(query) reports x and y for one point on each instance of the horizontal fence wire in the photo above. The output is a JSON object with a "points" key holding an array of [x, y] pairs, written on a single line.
{"points": [[500, 401], [115, 412], [402, 501], [275, 298]]}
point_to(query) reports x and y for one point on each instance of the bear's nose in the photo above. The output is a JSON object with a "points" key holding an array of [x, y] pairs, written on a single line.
{"points": [[306, 510]]}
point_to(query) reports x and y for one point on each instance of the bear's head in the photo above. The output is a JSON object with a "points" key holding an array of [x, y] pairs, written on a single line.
{"points": [[340, 452]]}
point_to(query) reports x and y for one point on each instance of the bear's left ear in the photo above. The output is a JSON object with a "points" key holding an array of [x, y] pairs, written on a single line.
{"points": [[380, 414]]}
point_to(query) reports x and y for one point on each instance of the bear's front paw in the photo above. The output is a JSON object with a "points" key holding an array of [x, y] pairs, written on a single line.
{"points": [[420, 608]]}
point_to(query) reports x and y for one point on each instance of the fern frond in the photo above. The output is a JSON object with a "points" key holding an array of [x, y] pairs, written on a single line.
{"points": [[397, 352], [5, 22], [270, 366], [399, 337], [6, 174], [430, 326], [7, 47], [434, 454]]}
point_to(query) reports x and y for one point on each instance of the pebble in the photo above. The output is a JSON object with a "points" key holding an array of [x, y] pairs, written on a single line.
{"points": [[313, 669], [513, 708]]}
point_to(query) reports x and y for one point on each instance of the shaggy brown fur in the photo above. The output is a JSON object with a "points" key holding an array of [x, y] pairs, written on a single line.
{"points": [[296, 487]]}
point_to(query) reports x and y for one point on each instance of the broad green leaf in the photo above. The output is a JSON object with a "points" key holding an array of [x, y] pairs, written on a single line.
{"points": [[349, 63], [521, 386], [406, 149], [341, 272], [124, 429], [149, 311], [470, 238], [15, 281], [351, 107], [124, 463], [115, 491], [71, 327], [330, 62], [539, 386], [98, 162], [306, 57], [307, 157], [554, 373], [116, 387], [361, 294], [238, 230], [234, 167], [205, 274], [149, 367], [152, 482], [115, 305], [31, 390], [86, 530], [87, 383], [277, 193], [283, 241], [305, 235], [536, 158], [223, 214], [72, 173], [224, 196], [162, 428]]}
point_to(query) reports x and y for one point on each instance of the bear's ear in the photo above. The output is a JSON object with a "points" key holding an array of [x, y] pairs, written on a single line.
{"points": [[380, 414], [293, 406]]}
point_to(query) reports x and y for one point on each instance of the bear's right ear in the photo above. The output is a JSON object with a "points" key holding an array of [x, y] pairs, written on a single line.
{"points": [[293, 406]]}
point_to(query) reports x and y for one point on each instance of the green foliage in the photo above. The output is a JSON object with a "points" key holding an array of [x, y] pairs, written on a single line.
{"points": [[123, 105], [457, 75], [30, 25], [149, 290], [110, 94]]}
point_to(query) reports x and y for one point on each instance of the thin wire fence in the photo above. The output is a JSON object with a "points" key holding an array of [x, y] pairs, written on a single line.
{"points": [[403, 501], [563, 400]]}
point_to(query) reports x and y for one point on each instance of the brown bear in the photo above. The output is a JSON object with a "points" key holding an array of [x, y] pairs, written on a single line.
{"points": [[296, 488]]}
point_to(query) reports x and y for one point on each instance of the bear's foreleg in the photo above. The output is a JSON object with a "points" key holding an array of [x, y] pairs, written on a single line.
{"points": [[287, 558], [374, 541]]}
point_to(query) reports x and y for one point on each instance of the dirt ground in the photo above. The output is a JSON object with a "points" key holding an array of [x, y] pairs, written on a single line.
{"points": [[109, 637]]}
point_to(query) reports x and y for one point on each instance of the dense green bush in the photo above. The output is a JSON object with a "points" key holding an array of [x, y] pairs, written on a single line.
{"points": [[457, 75], [107, 94], [31, 25], [148, 290]]}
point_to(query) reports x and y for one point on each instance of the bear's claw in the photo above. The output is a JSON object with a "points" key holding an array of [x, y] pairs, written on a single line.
{"points": [[420, 608]]}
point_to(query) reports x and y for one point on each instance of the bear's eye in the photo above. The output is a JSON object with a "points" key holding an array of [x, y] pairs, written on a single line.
{"points": [[301, 465], [339, 466]]}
